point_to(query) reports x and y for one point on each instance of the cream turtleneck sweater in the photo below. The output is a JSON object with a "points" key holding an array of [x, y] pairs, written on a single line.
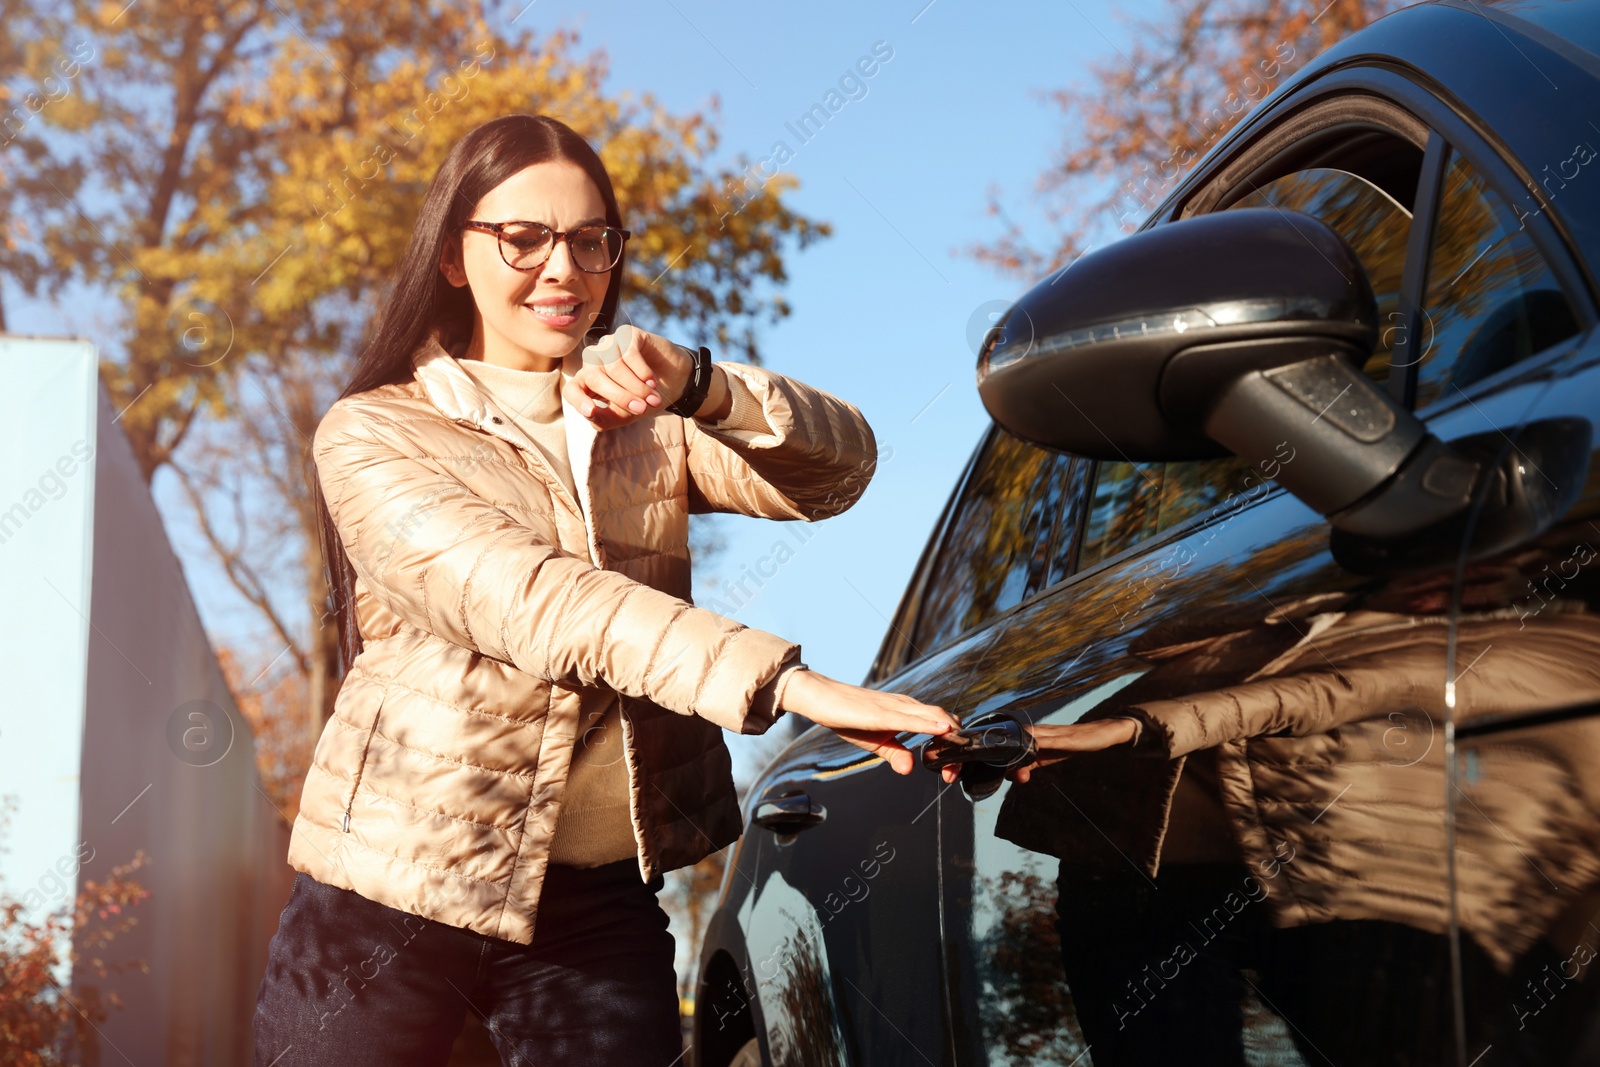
{"points": [[595, 825]]}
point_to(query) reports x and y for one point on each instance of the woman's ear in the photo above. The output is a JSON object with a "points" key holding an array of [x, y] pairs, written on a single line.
{"points": [[453, 272]]}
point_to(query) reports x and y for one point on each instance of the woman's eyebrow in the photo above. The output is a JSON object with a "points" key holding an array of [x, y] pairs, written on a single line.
{"points": [[592, 221]]}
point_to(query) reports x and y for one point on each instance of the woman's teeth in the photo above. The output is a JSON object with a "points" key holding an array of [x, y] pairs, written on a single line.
{"points": [[549, 311]]}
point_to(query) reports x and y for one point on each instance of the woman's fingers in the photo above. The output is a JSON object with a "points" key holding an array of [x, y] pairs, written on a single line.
{"points": [[648, 361], [920, 718], [604, 406], [628, 374], [889, 720], [599, 382], [600, 415], [624, 384], [899, 758], [866, 717]]}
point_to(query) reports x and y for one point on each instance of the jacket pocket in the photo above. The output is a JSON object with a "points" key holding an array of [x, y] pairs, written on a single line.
{"points": [[361, 767]]}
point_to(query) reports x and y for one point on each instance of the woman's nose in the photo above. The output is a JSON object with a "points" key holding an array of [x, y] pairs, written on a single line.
{"points": [[559, 263]]}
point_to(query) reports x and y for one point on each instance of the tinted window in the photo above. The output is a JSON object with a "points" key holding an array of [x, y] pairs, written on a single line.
{"points": [[1133, 502], [1123, 510], [1371, 222], [1003, 543], [1491, 299]]}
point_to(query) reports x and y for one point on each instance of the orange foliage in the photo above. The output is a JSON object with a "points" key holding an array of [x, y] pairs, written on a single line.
{"points": [[41, 1022]]}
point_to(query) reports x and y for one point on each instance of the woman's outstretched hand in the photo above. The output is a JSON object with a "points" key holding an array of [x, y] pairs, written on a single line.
{"points": [[866, 717]]}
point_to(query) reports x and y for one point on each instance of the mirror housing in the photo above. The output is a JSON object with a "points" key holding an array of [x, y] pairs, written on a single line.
{"points": [[1234, 332], [1241, 290]]}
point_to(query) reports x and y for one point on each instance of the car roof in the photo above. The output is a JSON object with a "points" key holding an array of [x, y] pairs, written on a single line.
{"points": [[1574, 21]]}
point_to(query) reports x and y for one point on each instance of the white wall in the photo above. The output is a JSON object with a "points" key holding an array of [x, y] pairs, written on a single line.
{"points": [[126, 736]]}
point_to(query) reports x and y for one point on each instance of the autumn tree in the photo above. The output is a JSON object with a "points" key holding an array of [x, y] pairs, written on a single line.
{"points": [[39, 67], [256, 166], [253, 168], [1149, 111]]}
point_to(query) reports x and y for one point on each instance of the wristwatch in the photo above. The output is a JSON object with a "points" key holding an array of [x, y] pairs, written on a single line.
{"points": [[699, 385]]}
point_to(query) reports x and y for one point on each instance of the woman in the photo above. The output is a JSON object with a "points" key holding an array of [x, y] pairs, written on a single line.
{"points": [[529, 730]]}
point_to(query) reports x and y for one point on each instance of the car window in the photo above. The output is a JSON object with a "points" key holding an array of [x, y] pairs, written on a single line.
{"points": [[1135, 501], [1003, 542], [1490, 298], [1371, 222]]}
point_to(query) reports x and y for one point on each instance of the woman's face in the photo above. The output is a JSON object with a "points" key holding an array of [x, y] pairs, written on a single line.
{"points": [[509, 330]]}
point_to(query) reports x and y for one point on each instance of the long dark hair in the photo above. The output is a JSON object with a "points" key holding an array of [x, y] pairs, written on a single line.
{"points": [[422, 300]]}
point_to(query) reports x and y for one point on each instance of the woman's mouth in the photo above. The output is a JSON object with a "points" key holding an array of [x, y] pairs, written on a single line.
{"points": [[558, 315]]}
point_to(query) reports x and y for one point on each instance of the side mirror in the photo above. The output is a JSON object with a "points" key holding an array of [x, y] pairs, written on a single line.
{"points": [[1226, 333]]}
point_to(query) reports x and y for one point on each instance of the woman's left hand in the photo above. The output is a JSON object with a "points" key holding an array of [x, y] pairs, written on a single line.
{"points": [[868, 718], [629, 383]]}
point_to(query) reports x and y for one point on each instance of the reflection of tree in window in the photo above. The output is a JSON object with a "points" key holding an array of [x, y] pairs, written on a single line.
{"points": [[1134, 502], [1491, 299], [1054, 561], [1024, 1004], [1371, 223], [1123, 511], [1188, 489], [984, 566]]}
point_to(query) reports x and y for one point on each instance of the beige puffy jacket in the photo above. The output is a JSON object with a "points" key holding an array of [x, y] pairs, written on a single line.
{"points": [[488, 605]]}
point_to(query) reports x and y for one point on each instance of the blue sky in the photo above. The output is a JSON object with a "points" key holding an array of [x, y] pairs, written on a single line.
{"points": [[882, 309]]}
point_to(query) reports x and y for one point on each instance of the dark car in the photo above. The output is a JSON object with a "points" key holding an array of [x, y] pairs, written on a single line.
{"points": [[1298, 477]]}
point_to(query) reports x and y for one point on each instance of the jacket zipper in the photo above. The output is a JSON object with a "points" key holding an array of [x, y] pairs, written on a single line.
{"points": [[362, 766]]}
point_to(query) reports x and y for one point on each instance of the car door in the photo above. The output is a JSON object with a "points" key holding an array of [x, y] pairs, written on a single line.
{"points": [[839, 908], [1273, 886], [839, 912], [1507, 358]]}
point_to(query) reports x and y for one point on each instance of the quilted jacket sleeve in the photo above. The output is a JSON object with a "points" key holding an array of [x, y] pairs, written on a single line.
{"points": [[814, 463], [1368, 665], [452, 564]]}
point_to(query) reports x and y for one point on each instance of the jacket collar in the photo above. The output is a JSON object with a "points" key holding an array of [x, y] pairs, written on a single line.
{"points": [[457, 396]]}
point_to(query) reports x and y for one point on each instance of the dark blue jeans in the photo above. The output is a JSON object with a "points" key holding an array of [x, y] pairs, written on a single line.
{"points": [[350, 981]]}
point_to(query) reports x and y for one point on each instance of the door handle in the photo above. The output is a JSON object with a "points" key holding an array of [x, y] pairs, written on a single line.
{"points": [[995, 739], [984, 748], [788, 812]]}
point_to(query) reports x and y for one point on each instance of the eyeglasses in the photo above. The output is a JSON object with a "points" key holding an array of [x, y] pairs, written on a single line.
{"points": [[526, 245]]}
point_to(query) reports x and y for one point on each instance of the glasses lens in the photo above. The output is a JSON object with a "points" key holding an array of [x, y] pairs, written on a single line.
{"points": [[595, 248], [525, 245]]}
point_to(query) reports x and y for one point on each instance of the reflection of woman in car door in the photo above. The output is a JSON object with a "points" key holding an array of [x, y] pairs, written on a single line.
{"points": [[529, 730], [1323, 861]]}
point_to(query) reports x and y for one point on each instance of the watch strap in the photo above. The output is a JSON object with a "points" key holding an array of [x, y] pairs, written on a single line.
{"points": [[699, 386]]}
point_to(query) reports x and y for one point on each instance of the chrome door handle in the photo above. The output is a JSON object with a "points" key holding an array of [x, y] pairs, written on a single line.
{"points": [[788, 812]]}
